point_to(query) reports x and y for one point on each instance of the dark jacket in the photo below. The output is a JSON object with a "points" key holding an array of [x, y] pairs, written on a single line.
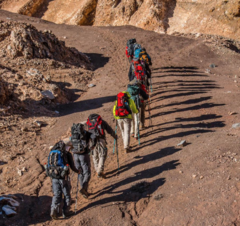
{"points": [[108, 129]]}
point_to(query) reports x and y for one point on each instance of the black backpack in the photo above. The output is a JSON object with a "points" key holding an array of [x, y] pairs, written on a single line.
{"points": [[78, 139], [130, 45]]}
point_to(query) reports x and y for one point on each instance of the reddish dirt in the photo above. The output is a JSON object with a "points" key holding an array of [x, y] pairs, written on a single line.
{"points": [[197, 184]]}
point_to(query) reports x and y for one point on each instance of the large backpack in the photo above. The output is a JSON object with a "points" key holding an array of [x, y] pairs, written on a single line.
{"points": [[56, 167], [137, 53], [134, 91], [143, 56], [94, 124], [130, 46], [138, 70], [78, 139], [122, 108]]}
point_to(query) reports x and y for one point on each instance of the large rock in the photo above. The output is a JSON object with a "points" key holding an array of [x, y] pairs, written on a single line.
{"points": [[25, 40]]}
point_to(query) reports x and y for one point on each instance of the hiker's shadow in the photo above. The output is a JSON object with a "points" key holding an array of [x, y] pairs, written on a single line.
{"points": [[127, 195], [144, 159]]}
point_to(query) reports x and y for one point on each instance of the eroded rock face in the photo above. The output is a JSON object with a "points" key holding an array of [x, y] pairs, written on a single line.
{"points": [[25, 40], [219, 17]]}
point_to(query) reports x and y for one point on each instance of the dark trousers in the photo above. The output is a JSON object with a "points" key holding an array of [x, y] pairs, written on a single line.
{"points": [[82, 162], [59, 187]]}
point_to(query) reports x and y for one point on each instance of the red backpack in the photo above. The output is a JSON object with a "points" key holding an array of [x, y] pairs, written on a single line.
{"points": [[138, 70], [94, 124], [122, 108]]}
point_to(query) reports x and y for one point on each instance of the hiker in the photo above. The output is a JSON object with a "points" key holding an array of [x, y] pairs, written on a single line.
{"points": [[122, 111], [82, 142], [145, 90], [97, 126], [137, 71], [146, 61], [57, 169], [138, 95], [132, 45]]}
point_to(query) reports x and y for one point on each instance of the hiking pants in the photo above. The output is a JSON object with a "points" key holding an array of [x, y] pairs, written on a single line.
{"points": [[99, 155], [142, 114], [60, 186], [82, 162], [135, 124], [125, 126]]}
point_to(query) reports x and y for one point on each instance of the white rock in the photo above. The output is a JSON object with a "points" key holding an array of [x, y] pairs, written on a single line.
{"points": [[48, 94], [9, 212]]}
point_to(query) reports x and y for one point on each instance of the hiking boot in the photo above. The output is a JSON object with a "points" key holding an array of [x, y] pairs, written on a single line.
{"points": [[66, 213], [102, 175], [53, 214], [84, 193]]}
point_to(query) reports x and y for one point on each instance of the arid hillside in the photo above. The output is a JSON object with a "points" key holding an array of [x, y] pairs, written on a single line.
{"points": [[195, 98], [163, 16]]}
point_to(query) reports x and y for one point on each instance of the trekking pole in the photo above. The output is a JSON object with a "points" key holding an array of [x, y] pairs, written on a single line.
{"points": [[117, 155], [151, 85], [76, 194], [150, 117], [138, 131], [114, 144]]}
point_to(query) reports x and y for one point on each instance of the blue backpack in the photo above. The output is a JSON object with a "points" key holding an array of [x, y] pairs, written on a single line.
{"points": [[137, 53], [55, 167], [55, 159]]}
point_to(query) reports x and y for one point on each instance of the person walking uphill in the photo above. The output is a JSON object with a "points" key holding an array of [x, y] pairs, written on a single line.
{"points": [[97, 126], [122, 111], [58, 170], [82, 143], [138, 95]]}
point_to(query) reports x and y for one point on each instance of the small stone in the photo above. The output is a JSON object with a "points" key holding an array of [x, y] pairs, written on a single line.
{"points": [[48, 94], [17, 76], [212, 65], [194, 175], [19, 172], [207, 71], [24, 129], [48, 78], [229, 178], [182, 143], [232, 113], [236, 125], [91, 85], [158, 197], [201, 177], [180, 171], [38, 123]]}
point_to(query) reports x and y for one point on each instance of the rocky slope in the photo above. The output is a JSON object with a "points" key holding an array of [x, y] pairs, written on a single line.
{"points": [[164, 16], [195, 98]]}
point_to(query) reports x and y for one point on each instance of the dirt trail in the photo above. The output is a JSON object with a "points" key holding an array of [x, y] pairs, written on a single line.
{"points": [[193, 185]]}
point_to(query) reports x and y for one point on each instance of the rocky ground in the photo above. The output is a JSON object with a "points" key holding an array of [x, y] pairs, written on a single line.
{"points": [[195, 98]]}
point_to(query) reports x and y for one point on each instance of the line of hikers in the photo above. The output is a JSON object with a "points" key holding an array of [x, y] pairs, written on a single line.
{"points": [[74, 152]]}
